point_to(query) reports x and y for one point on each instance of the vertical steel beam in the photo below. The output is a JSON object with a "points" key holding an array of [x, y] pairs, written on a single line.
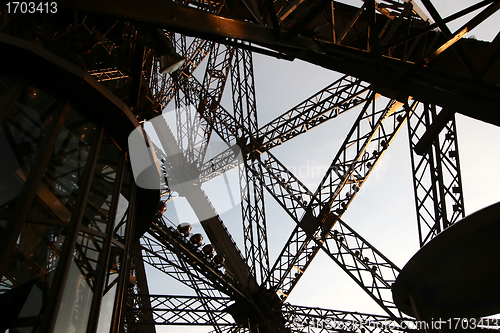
{"points": [[103, 267], [119, 309], [203, 292], [436, 171], [58, 284], [252, 194], [140, 307]]}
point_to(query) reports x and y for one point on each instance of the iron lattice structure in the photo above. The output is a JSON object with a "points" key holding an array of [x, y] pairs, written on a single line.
{"points": [[400, 68], [254, 298]]}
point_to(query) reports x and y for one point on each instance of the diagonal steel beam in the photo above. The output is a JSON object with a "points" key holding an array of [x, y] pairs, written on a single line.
{"points": [[341, 96], [184, 178], [374, 129], [367, 266], [475, 21], [193, 134], [392, 9], [203, 292], [158, 251], [333, 100], [370, 136], [222, 162]]}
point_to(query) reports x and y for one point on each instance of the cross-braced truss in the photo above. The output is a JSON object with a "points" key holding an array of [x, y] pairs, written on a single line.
{"points": [[401, 66], [436, 171]]}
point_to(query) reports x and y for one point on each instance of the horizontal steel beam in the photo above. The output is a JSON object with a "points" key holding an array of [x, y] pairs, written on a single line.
{"points": [[304, 319], [394, 78], [188, 310]]}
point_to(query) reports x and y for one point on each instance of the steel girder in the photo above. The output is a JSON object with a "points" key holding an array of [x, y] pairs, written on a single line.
{"points": [[251, 191], [400, 53], [315, 216], [374, 129], [343, 244], [188, 310], [210, 220], [342, 95], [268, 319], [108, 74], [293, 196], [254, 222], [338, 97], [436, 171], [165, 87], [380, 263], [192, 134], [138, 313], [203, 291], [197, 134], [194, 54], [222, 162], [378, 39], [159, 252], [304, 319]]}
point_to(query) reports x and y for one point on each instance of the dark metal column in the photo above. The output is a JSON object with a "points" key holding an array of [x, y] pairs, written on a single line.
{"points": [[118, 321], [103, 267], [58, 284], [139, 306], [28, 193]]}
